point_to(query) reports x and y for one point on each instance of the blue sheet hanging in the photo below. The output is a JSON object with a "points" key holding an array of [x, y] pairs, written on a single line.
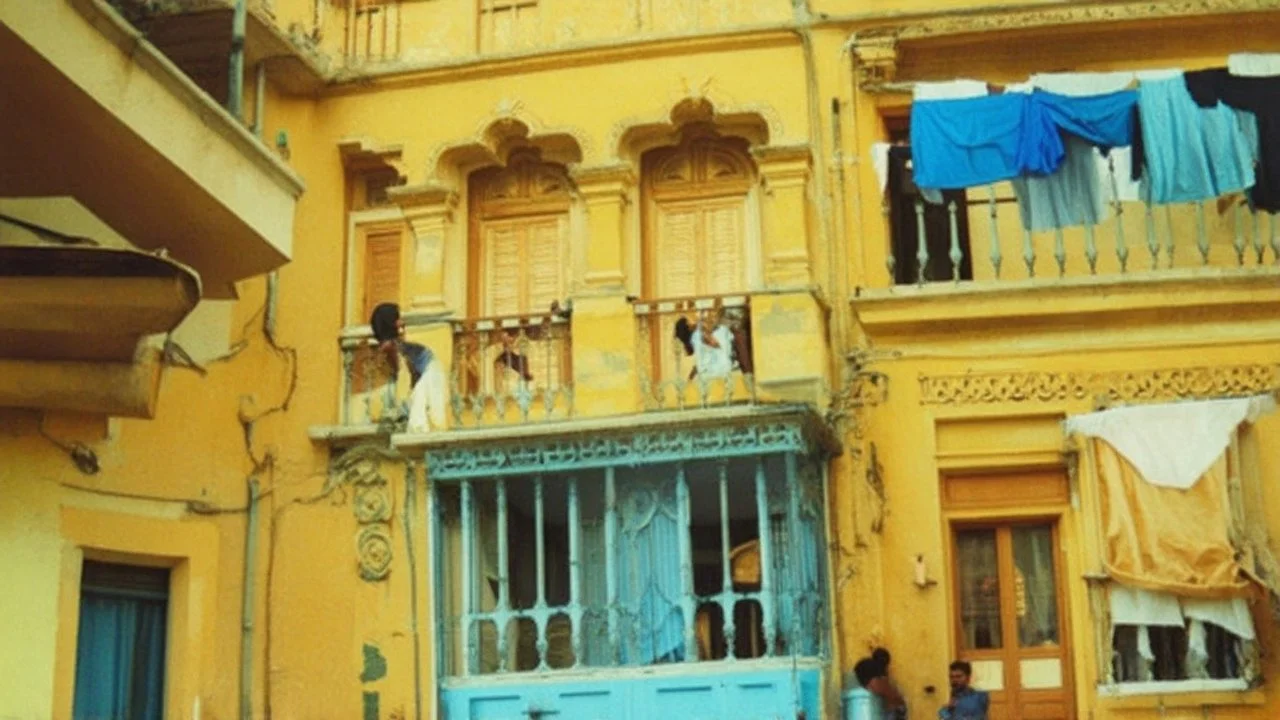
{"points": [[1189, 153], [964, 143]]}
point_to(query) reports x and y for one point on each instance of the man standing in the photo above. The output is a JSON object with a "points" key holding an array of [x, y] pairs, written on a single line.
{"points": [[966, 703]]}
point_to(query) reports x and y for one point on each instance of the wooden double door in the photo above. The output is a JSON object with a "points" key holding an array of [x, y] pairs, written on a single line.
{"points": [[1011, 617]]}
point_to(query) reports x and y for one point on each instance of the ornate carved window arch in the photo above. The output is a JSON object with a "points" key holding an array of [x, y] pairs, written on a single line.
{"points": [[701, 217]]}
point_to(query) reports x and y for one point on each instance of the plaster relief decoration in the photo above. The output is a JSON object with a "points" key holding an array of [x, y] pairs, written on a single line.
{"points": [[1115, 386], [1065, 14], [359, 469]]}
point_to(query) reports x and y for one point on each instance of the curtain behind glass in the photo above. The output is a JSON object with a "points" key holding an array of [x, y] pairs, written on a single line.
{"points": [[120, 658], [650, 586], [979, 589], [1038, 598]]}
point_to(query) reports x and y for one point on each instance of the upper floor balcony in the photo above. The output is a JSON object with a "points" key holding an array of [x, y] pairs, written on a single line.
{"points": [[549, 301], [1177, 226], [127, 196]]}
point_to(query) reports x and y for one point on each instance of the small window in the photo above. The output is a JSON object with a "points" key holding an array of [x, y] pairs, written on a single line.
{"points": [[121, 646], [1172, 657], [908, 207]]}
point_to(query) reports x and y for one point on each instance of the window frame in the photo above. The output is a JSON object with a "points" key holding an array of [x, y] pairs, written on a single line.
{"points": [[360, 223], [189, 549]]}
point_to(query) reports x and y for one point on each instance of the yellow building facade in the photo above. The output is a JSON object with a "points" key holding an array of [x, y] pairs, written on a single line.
{"points": [[613, 513]]}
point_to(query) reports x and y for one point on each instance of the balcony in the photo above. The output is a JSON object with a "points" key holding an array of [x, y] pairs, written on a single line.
{"points": [[969, 265], [511, 369], [682, 359], [695, 352]]}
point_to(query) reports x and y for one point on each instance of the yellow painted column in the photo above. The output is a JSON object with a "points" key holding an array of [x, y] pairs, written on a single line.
{"points": [[789, 335], [605, 190], [605, 377], [785, 210], [430, 211]]}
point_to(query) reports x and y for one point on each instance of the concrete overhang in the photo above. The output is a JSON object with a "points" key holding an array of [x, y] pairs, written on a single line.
{"points": [[82, 313], [94, 111]]}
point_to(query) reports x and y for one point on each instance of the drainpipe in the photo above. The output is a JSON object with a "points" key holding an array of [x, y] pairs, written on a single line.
{"points": [[259, 94], [246, 608], [235, 70]]}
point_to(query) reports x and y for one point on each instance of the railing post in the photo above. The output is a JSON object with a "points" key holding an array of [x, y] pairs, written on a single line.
{"points": [[468, 580], [922, 246], [611, 560], [540, 544], [1153, 242], [1090, 248], [1238, 243], [1060, 251], [1122, 251], [1259, 249], [727, 595], [1028, 252], [504, 579], [956, 256], [996, 256], [348, 365], [1202, 235], [575, 571], [793, 536], [687, 605], [1168, 221], [890, 260], [768, 621], [1275, 239]]}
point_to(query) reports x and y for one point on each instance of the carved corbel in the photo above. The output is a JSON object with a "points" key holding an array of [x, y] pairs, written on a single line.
{"points": [[877, 60]]}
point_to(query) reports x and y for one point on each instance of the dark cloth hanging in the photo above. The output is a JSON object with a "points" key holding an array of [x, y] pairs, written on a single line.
{"points": [[1260, 96], [903, 220]]}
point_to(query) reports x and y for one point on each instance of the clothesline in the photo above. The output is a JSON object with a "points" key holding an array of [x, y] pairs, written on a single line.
{"points": [[1068, 140]]}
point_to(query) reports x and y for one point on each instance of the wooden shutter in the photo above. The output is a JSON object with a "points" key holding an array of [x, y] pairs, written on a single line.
{"points": [[546, 265], [723, 242], [381, 269], [677, 250], [504, 272]]}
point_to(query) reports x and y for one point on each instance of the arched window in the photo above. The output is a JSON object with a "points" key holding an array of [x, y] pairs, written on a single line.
{"points": [[519, 260], [698, 218], [519, 236]]}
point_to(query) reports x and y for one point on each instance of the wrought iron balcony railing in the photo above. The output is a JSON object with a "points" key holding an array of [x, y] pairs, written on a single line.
{"points": [[695, 352]]}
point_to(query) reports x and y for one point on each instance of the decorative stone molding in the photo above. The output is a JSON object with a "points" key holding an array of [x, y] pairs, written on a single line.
{"points": [[877, 48], [510, 125], [359, 469], [757, 123], [801, 434], [1117, 386], [877, 60]]}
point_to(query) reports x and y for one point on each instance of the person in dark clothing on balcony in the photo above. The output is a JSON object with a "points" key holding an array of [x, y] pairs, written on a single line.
{"points": [[426, 375]]}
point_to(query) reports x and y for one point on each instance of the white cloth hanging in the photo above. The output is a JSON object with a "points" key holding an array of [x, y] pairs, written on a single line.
{"points": [[949, 90], [1143, 608], [427, 400], [1171, 444], [1254, 64], [880, 161], [1231, 614]]}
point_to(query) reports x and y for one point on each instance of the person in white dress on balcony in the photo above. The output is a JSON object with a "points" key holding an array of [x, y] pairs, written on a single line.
{"points": [[712, 346], [426, 373]]}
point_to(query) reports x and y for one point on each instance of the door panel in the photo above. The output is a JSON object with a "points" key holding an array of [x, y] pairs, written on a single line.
{"points": [[1010, 609]]}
